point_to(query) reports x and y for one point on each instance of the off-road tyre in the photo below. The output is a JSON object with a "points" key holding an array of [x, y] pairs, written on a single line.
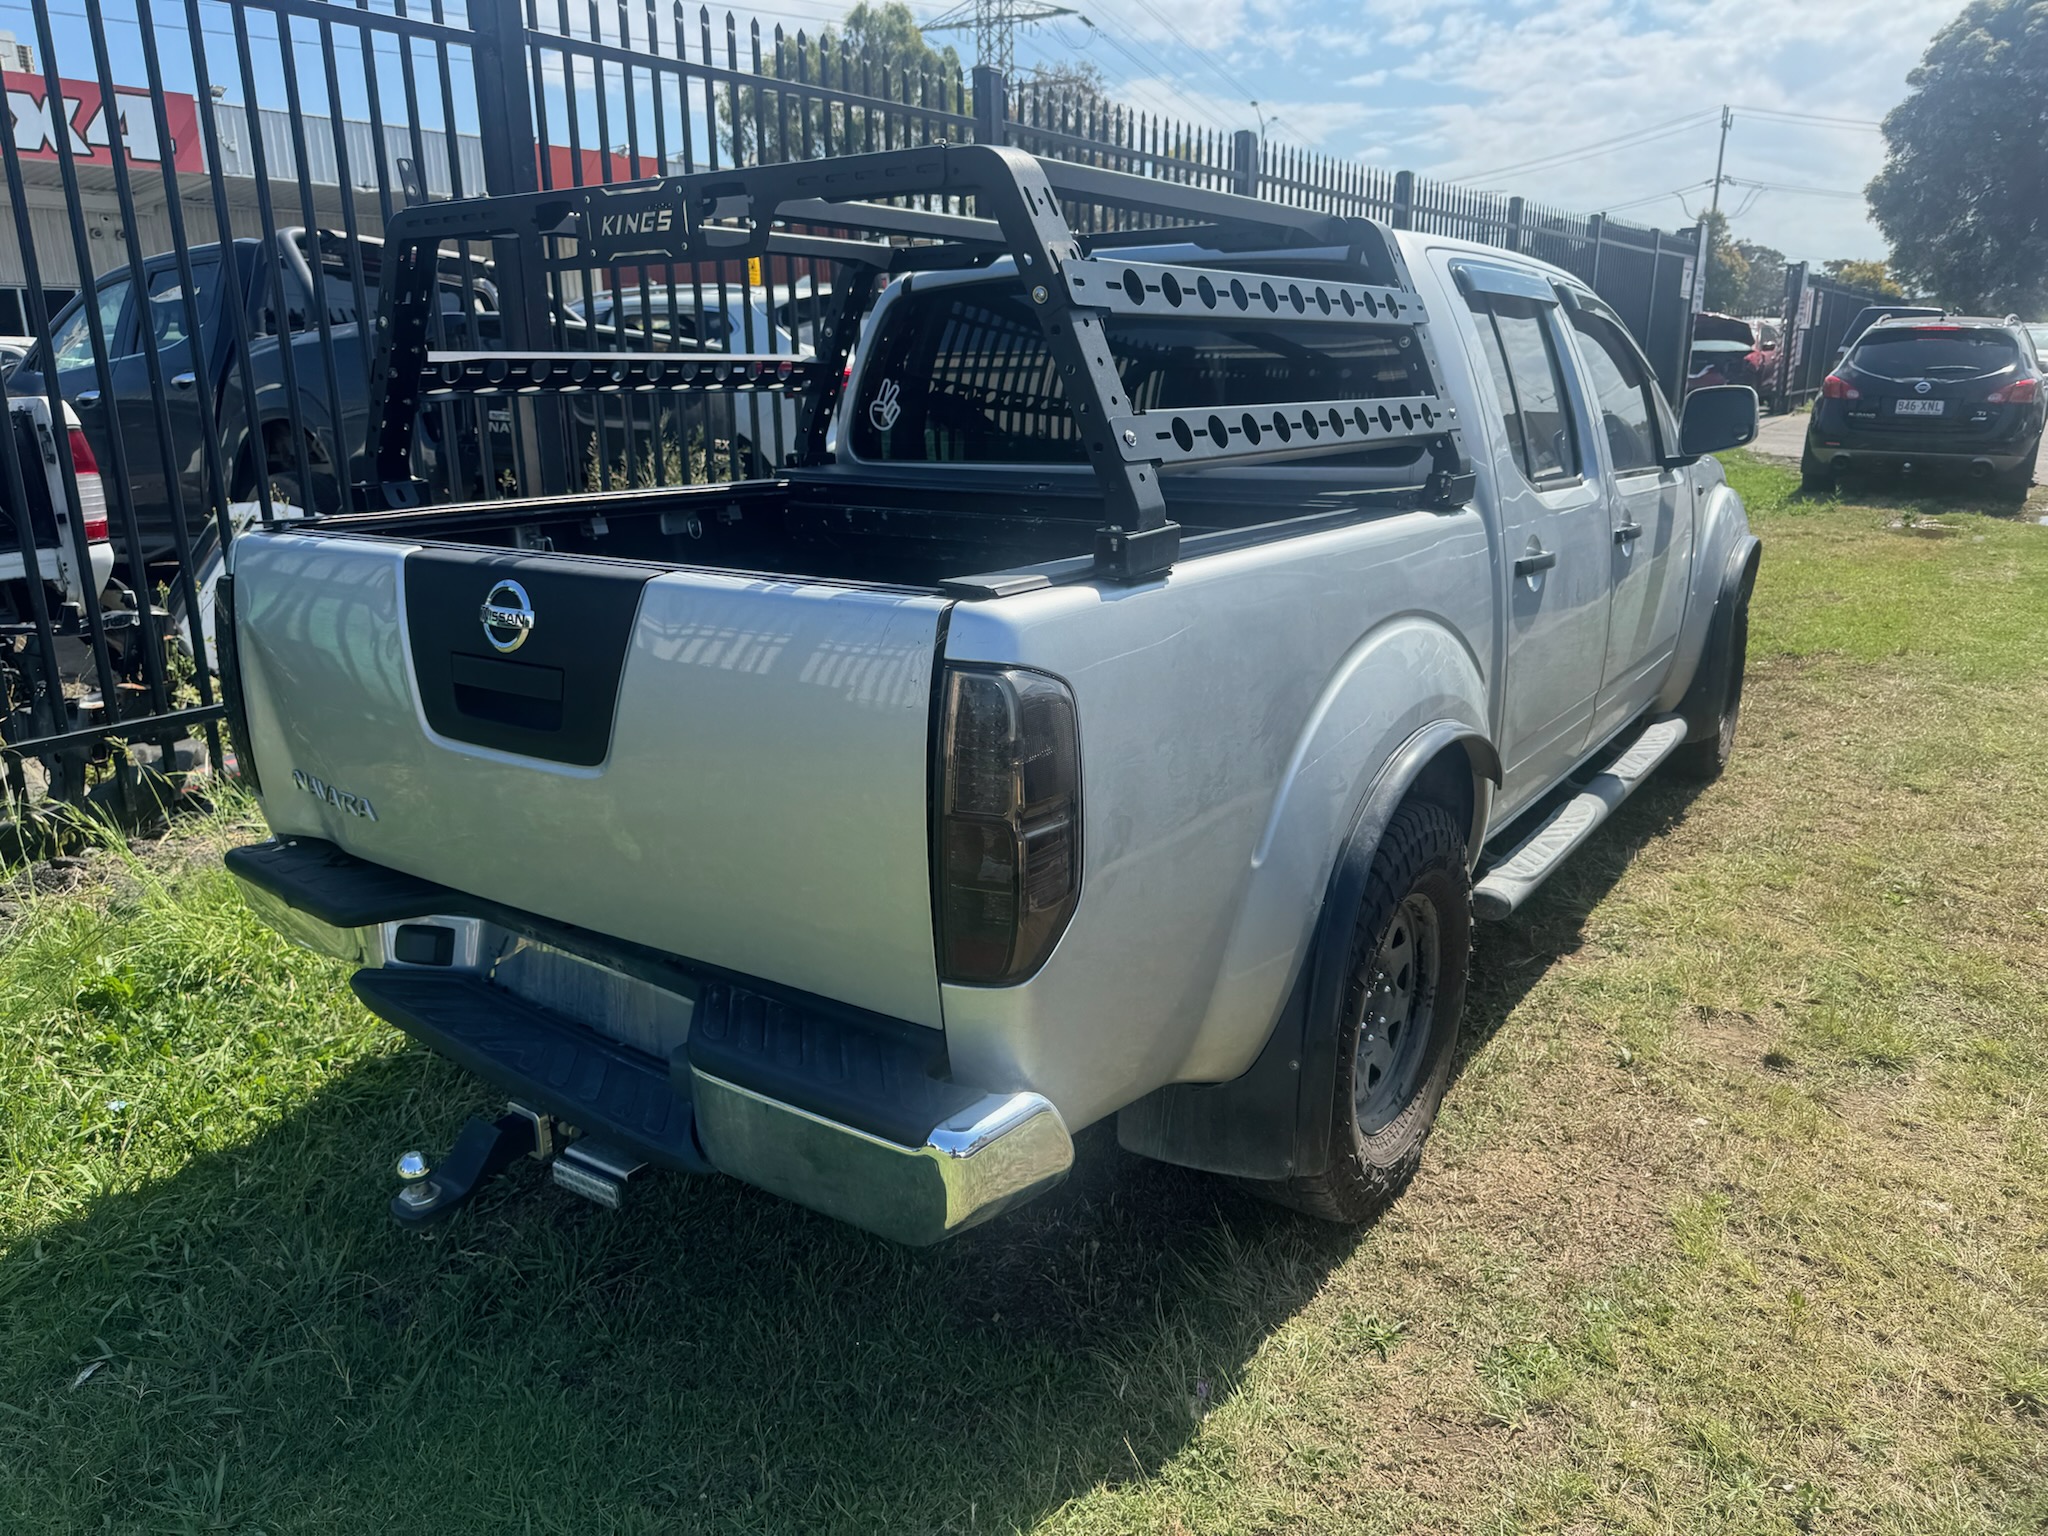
{"points": [[1419, 868], [1703, 761], [1816, 477]]}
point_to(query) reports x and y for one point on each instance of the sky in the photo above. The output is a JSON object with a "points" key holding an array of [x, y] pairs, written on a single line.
{"points": [[1584, 105], [1506, 92]]}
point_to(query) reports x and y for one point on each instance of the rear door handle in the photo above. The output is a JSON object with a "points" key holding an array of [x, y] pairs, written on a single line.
{"points": [[1628, 533], [1529, 565], [87, 397], [183, 380]]}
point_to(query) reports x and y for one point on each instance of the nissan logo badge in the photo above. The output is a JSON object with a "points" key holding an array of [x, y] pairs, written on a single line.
{"points": [[507, 616]]}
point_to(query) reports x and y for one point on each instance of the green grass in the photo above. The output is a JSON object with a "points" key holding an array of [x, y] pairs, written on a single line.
{"points": [[1736, 1220]]}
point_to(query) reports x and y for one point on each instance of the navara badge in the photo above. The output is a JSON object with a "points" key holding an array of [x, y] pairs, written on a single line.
{"points": [[507, 616]]}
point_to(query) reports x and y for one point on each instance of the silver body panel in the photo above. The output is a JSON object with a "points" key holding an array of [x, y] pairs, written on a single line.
{"points": [[764, 806]]}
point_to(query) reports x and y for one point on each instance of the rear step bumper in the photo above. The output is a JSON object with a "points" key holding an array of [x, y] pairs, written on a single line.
{"points": [[540, 1058], [834, 1109]]}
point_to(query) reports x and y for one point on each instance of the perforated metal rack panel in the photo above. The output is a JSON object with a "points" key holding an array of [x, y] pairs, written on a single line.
{"points": [[1017, 202], [495, 373]]}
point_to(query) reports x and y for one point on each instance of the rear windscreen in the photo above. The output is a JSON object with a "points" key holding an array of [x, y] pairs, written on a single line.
{"points": [[1935, 354], [963, 375]]}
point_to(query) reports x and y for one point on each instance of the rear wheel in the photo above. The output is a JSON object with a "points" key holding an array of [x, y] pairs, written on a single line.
{"points": [[2017, 481], [1815, 476], [1398, 1027]]}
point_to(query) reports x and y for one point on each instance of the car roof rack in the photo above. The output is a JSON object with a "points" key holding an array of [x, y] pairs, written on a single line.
{"points": [[1075, 285]]}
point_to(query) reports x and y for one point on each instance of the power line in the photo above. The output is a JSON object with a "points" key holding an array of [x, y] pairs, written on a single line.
{"points": [[1599, 146], [1658, 197], [1155, 67], [1781, 186], [1811, 117], [995, 24], [1196, 49], [1654, 131]]}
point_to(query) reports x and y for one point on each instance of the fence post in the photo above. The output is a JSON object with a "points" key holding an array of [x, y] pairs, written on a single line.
{"points": [[1244, 163], [1515, 206], [511, 156], [990, 108], [1404, 200], [1671, 369], [1793, 339], [1596, 232]]}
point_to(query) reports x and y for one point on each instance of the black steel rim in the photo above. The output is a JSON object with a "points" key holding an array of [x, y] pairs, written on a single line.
{"points": [[1395, 1024]]}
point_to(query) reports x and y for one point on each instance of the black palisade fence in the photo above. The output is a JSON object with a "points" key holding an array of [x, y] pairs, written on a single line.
{"points": [[196, 262]]}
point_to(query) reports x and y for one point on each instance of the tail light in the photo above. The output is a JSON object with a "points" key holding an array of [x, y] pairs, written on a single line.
{"points": [[1008, 869], [92, 493], [2018, 392], [1835, 387]]}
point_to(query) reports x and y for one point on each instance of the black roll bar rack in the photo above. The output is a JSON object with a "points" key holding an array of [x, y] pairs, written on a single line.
{"points": [[1074, 284]]}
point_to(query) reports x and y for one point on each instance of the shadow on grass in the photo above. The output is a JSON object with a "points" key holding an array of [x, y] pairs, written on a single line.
{"points": [[1509, 958], [1928, 496], [710, 1358]]}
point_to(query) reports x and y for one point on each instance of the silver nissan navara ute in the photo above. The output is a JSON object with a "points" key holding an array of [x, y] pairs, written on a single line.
{"points": [[1160, 647]]}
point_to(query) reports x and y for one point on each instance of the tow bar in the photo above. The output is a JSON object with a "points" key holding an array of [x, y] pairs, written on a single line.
{"points": [[427, 1195], [484, 1150]]}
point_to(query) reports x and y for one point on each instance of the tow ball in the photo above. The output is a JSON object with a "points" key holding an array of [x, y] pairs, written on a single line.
{"points": [[484, 1150], [585, 1165]]}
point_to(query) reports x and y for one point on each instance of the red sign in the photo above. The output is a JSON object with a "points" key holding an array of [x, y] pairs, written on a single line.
{"points": [[36, 122], [563, 167]]}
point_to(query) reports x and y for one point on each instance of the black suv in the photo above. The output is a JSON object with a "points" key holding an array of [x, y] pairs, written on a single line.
{"points": [[1953, 392]]}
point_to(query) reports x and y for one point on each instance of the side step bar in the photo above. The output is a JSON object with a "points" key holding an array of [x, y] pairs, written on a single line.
{"points": [[1510, 881]]}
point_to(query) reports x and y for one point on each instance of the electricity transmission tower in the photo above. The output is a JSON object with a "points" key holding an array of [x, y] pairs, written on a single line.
{"points": [[995, 24]]}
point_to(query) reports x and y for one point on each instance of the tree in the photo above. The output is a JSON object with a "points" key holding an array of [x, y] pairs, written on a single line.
{"points": [[1764, 292], [1727, 268], [1871, 275], [1080, 79], [1068, 95], [889, 34], [1963, 196], [877, 49]]}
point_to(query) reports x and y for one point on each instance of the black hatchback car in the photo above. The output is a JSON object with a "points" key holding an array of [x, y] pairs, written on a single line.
{"points": [[1956, 393]]}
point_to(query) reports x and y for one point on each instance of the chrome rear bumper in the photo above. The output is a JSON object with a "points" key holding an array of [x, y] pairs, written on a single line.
{"points": [[933, 1158], [998, 1152]]}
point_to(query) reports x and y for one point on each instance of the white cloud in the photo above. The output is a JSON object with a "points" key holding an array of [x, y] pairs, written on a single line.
{"points": [[1311, 123], [1506, 83], [1210, 24], [1577, 72]]}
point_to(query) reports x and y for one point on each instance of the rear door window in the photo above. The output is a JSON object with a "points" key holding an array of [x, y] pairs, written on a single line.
{"points": [[963, 375], [1521, 354], [1949, 353], [167, 314]]}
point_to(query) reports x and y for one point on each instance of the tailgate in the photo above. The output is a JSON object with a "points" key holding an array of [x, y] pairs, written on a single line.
{"points": [[730, 769]]}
